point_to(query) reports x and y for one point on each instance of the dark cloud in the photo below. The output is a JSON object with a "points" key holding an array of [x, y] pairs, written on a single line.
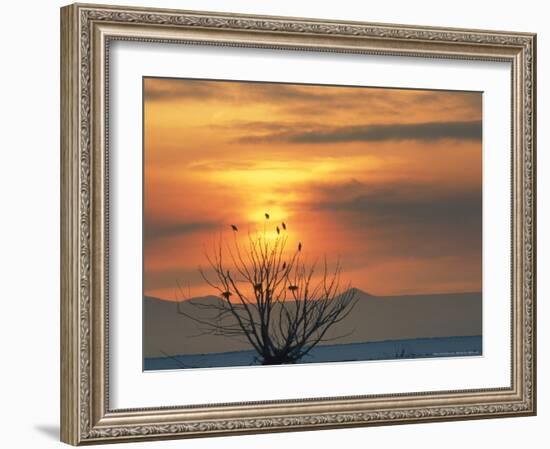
{"points": [[157, 230], [220, 164], [166, 88], [401, 203], [264, 127], [285, 92], [427, 132], [404, 220], [434, 97], [300, 100], [162, 88], [176, 89], [387, 206]]}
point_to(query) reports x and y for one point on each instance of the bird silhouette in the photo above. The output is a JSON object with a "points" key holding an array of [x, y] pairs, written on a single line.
{"points": [[234, 227], [267, 215], [278, 230], [284, 225], [284, 265], [226, 294], [300, 246]]}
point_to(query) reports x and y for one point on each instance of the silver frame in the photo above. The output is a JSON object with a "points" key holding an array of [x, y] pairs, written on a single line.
{"points": [[86, 32]]}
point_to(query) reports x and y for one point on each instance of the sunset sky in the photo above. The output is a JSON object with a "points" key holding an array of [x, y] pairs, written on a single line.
{"points": [[387, 180]]}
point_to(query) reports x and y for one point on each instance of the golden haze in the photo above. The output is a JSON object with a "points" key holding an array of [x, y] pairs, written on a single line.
{"points": [[387, 180]]}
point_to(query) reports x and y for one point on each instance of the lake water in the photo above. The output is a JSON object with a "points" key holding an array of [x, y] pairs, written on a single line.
{"points": [[379, 350]]}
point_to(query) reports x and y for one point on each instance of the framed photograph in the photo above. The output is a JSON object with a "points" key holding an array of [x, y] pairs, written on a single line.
{"points": [[280, 224]]}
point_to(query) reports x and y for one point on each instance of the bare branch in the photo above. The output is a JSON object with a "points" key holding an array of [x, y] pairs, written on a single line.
{"points": [[268, 296]]}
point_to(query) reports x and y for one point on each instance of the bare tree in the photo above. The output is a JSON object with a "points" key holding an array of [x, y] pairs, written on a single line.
{"points": [[270, 297]]}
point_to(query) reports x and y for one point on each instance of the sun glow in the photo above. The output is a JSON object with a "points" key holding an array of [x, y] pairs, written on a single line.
{"points": [[277, 215]]}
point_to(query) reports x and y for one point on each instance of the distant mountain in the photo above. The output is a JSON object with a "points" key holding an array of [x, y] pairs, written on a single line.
{"points": [[165, 331], [374, 318], [359, 293]]}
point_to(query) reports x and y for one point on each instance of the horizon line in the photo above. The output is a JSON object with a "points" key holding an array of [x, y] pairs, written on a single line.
{"points": [[353, 288]]}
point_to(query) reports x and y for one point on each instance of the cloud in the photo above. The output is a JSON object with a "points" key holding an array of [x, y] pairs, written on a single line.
{"points": [[305, 97], [407, 203], [386, 208], [153, 230], [402, 220], [170, 89], [427, 132], [244, 92]]}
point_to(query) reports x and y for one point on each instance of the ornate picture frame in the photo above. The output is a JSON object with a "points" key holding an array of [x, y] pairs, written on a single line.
{"points": [[87, 32]]}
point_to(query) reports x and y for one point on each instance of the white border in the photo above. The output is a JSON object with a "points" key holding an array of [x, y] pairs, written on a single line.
{"points": [[132, 388]]}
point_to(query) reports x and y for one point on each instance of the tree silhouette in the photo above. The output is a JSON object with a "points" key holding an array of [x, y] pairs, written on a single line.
{"points": [[270, 296]]}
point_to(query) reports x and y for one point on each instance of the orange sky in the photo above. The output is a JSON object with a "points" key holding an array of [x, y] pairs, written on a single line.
{"points": [[388, 180]]}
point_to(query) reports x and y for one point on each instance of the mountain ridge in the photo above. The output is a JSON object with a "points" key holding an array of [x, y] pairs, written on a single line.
{"points": [[357, 290], [373, 318]]}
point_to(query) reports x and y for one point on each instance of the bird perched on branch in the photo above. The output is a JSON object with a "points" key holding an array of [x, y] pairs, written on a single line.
{"points": [[234, 227], [300, 246], [226, 294], [278, 230], [284, 225], [267, 216]]}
